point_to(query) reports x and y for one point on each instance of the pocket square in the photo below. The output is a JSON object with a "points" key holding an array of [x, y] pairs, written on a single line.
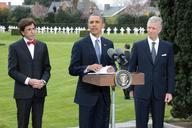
{"points": [[164, 55]]}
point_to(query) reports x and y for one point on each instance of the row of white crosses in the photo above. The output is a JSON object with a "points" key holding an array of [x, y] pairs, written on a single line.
{"points": [[12, 27], [2, 28], [64, 30], [122, 30], [76, 30]]}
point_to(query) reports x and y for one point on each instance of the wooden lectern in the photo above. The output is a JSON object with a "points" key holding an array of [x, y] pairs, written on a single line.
{"points": [[109, 80]]}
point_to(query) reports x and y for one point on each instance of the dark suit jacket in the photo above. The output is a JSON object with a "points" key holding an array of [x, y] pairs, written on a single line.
{"points": [[83, 54], [159, 77], [21, 65], [125, 66]]}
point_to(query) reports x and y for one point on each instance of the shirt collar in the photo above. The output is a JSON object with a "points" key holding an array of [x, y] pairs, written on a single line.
{"points": [[156, 41], [93, 38], [26, 40]]}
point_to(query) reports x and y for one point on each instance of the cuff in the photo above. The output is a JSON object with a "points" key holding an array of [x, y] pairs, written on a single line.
{"points": [[44, 82], [27, 81], [86, 70]]}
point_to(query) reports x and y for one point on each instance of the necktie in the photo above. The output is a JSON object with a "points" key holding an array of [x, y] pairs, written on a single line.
{"points": [[153, 52], [97, 50], [31, 42]]}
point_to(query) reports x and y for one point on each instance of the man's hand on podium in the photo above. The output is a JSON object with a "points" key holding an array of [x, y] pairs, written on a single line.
{"points": [[94, 67], [106, 70], [97, 68], [110, 69]]}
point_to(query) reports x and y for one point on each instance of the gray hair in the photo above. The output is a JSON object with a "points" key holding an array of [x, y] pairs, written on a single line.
{"points": [[155, 19]]}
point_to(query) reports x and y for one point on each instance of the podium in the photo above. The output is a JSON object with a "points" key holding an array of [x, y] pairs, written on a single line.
{"points": [[109, 80]]}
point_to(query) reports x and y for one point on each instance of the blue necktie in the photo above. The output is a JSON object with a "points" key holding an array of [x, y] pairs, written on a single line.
{"points": [[153, 52], [97, 50]]}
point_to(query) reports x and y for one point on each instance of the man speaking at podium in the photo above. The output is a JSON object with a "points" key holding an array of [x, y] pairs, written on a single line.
{"points": [[90, 55]]}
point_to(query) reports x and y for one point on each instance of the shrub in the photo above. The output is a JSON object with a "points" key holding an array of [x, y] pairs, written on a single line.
{"points": [[15, 32], [84, 33], [177, 28]]}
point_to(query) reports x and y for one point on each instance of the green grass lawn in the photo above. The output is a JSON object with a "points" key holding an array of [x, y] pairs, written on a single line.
{"points": [[60, 110]]}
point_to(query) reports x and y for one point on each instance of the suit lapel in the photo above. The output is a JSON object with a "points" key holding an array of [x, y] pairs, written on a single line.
{"points": [[91, 48], [25, 48], [160, 50], [37, 50], [147, 51], [104, 49]]}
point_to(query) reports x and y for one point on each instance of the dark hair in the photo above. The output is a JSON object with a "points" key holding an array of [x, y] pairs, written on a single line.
{"points": [[25, 22], [127, 46], [97, 14]]}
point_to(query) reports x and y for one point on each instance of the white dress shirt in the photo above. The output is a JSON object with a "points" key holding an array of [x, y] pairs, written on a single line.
{"points": [[31, 47], [156, 44], [93, 39]]}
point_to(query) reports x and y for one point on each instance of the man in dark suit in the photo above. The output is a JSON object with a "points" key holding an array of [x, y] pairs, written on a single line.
{"points": [[28, 65], [94, 101], [154, 58]]}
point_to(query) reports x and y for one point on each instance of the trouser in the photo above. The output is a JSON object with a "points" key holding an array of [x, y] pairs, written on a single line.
{"points": [[94, 116], [24, 106], [144, 106]]}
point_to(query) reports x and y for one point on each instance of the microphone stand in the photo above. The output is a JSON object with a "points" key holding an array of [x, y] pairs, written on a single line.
{"points": [[113, 108], [120, 63], [113, 102]]}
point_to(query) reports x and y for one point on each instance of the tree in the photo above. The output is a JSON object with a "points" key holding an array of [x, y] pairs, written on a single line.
{"points": [[168, 16], [177, 28], [39, 11], [133, 21], [63, 17], [68, 17], [136, 7], [74, 8], [29, 2], [50, 17], [4, 14], [153, 2], [20, 12], [46, 3]]}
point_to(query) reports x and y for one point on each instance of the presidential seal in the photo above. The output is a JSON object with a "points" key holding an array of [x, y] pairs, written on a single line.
{"points": [[123, 79]]}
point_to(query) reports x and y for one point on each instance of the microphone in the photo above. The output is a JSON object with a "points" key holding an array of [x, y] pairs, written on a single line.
{"points": [[112, 54], [122, 56]]}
